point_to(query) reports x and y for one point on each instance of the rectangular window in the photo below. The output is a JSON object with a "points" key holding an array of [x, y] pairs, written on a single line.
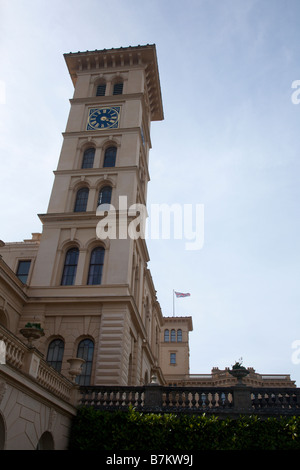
{"points": [[23, 270], [172, 358], [118, 89], [101, 90]]}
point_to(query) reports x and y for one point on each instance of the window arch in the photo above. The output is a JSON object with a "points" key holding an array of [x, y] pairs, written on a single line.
{"points": [[167, 336], [85, 351], [96, 266], [81, 200], [173, 335], [88, 158], [179, 336], [110, 157], [70, 267], [55, 353], [105, 195]]}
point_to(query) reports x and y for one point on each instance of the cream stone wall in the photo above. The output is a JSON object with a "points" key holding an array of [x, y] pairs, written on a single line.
{"points": [[30, 423]]}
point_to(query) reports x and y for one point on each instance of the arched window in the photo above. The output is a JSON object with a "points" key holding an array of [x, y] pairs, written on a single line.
{"points": [[110, 156], [179, 336], [100, 90], [85, 351], [167, 336], [96, 266], [70, 266], [173, 335], [55, 354], [88, 158], [81, 200], [105, 195], [118, 88]]}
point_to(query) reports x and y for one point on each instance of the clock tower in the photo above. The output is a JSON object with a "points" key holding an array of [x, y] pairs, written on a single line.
{"points": [[94, 295]]}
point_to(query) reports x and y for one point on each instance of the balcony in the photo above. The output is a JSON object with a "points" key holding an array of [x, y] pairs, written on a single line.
{"points": [[29, 363]]}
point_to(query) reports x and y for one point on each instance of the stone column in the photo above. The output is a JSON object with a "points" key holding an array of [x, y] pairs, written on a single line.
{"points": [[242, 399], [153, 396]]}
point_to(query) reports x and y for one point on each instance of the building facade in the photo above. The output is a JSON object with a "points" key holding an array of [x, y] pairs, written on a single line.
{"points": [[85, 278], [94, 296]]}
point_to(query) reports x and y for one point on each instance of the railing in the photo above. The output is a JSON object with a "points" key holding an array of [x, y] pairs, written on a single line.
{"points": [[283, 400], [31, 363], [15, 350], [110, 398], [197, 399], [226, 401], [53, 381]]}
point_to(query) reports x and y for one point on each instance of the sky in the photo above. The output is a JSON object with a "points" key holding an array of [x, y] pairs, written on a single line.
{"points": [[229, 143]]}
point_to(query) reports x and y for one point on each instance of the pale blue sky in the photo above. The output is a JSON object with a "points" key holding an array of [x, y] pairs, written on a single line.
{"points": [[230, 141]]}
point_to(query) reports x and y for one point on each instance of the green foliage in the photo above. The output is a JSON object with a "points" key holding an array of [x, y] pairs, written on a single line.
{"points": [[238, 364], [34, 325], [119, 430]]}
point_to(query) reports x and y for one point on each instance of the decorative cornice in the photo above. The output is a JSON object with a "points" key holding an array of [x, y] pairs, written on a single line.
{"points": [[138, 56]]}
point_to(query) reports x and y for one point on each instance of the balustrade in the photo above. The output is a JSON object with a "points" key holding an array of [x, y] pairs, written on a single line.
{"points": [[53, 381], [112, 397], [282, 400], [19, 356], [227, 401], [165, 399], [15, 350], [195, 399]]}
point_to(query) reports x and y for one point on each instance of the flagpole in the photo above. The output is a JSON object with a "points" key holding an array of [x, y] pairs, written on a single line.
{"points": [[173, 304]]}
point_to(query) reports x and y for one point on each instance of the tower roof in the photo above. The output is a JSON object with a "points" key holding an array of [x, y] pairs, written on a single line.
{"points": [[118, 58]]}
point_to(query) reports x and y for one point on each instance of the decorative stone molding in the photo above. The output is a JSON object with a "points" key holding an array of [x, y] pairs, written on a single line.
{"points": [[3, 388], [52, 420]]}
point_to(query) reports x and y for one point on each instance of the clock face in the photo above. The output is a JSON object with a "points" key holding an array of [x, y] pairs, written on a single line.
{"points": [[103, 118]]}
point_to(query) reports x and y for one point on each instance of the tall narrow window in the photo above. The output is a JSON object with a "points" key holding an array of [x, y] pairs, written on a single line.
{"points": [[88, 158], [110, 156], [55, 354], [118, 88], [167, 336], [96, 266], [100, 91], [23, 270], [179, 336], [85, 351], [105, 195], [173, 335], [172, 358], [70, 267], [81, 200]]}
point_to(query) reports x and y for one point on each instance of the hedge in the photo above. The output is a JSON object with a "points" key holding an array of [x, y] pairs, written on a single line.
{"points": [[96, 430]]}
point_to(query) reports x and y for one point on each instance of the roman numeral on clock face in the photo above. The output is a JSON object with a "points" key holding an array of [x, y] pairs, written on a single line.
{"points": [[103, 118]]}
